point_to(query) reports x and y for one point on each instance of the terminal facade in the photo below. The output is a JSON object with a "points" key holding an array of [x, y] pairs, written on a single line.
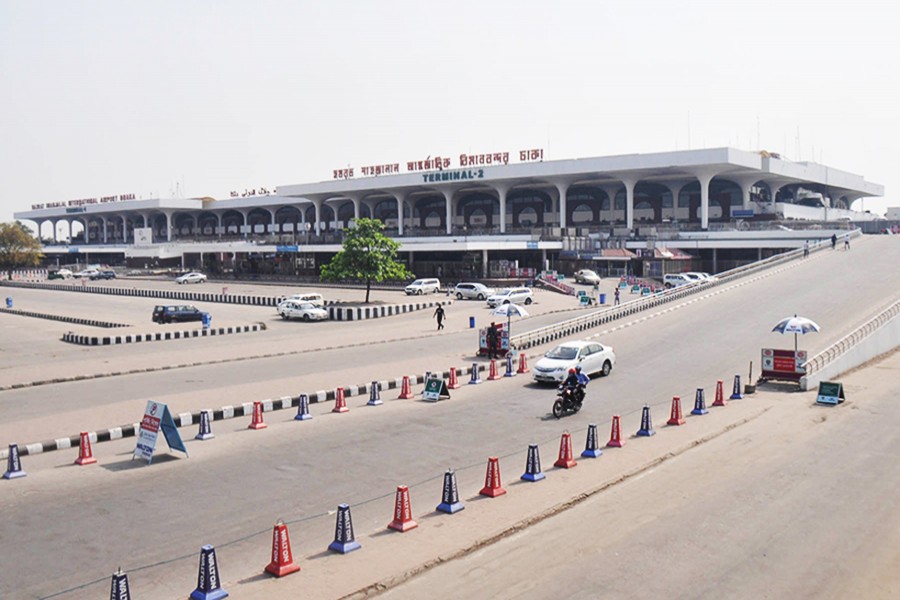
{"points": [[484, 216]]}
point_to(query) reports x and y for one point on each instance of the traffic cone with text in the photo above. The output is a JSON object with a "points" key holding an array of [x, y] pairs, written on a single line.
{"points": [[85, 454], [209, 586], [340, 403], [120, 590], [492, 487], [205, 432], [282, 557], [303, 408], [344, 540], [699, 403], [565, 460], [591, 449], [615, 434], [450, 495], [405, 390], [736, 390], [523, 363], [646, 429], [453, 383], [403, 520], [14, 464], [533, 465], [675, 417], [475, 378], [493, 375], [510, 372], [257, 421], [374, 395], [720, 395]]}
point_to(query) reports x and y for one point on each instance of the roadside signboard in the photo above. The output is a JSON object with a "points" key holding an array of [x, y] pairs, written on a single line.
{"points": [[156, 418], [783, 364], [830, 393], [435, 389]]}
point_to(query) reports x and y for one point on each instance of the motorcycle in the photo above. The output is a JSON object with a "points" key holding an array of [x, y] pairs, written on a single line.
{"points": [[568, 399]]}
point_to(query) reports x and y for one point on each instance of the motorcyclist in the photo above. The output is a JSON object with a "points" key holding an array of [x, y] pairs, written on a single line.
{"points": [[575, 382]]}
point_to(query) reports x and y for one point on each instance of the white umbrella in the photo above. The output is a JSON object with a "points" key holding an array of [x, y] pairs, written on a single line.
{"points": [[508, 310], [796, 325]]}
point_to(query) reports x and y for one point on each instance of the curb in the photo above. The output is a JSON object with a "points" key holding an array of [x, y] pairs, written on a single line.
{"points": [[74, 320], [86, 340]]}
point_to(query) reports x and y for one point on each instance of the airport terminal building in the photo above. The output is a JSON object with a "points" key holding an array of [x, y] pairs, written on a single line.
{"points": [[477, 214]]}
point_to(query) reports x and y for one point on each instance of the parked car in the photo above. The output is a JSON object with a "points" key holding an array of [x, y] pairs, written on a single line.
{"points": [[587, 276], [307, 311], [314, 299], [517, 295], [87, 273], [103, 275], [172, 313], [192, 277], [594, 358], [423, 286], [673, 280], [699, 276], [60, 274], [472, 291]]}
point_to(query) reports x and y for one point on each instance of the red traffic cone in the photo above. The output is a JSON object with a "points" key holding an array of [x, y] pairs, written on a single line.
{"points": [[565, 460], [405, 391], [257, 421], [403, 520], [675, 418], [454, 382], [85, 454], [492, 487], [282, 558], [340, 403], [494, 375], [523, 363], [720, 394], [615, 436]]}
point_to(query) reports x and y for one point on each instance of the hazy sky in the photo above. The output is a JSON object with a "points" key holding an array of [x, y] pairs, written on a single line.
{"points": [[167, 98]]}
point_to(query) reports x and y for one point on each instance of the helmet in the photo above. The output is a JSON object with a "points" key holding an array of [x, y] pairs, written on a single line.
{"points": [[578, 368], [571, 371]]}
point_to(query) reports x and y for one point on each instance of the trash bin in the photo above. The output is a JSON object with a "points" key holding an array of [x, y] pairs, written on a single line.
{"points": [[9, 302], [471, 320], [602, 298], [207, 320]]}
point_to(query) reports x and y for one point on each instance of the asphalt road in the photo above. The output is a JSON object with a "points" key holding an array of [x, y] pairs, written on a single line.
{"points": [[93, 519]]}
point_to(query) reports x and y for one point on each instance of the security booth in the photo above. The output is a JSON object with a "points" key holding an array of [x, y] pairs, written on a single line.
{"points": [[783, 365]]}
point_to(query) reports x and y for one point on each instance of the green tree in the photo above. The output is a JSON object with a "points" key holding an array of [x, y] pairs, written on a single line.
{"points": [[18, 247], [368, 254]]}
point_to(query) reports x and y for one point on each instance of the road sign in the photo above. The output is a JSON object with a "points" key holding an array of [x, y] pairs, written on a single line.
{"points": [[435, 389], [156, 417], [785, 365], [830, 393]]}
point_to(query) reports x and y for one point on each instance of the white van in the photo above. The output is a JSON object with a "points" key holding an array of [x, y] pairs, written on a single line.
{"points": [[423, 286], [672, 280], [313, 298]]}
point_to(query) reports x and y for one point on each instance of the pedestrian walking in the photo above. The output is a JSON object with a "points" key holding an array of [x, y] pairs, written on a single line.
{"points": [[806, 248], [617, 296], [439, 314], [846, 241], [833, 241]]}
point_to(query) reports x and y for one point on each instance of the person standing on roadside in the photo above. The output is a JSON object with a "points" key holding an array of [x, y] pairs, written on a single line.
{"points": [[439, 314], [846, 241], [493, 339], [833, 241], [617, 296], [806, 248]]}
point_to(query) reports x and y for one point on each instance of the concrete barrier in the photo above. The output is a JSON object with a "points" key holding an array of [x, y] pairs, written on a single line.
{"points": [[91, 340]]}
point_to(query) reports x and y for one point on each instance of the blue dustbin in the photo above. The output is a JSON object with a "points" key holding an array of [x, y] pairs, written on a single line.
{"points": [[8, 302], [471, 321], [602, 298], [207, 320]]}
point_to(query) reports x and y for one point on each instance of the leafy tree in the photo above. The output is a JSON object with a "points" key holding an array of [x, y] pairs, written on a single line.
{"points": [[368, 254], [18, 247]]}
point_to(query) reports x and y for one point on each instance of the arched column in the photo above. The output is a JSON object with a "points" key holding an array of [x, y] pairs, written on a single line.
{"points": [[502, 191], [448, 207], [400, 197], [675, 188], [629, 184], [704, 176], [562, 188]]}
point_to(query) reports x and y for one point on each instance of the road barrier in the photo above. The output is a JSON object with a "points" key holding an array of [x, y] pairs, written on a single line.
{"points": [[160, 336], [282, 557], [646, 429], [533, 465], [73, 320], [492, 486], [591, 449], [403, 520], [565, 459], [344, 540], [699, 403]]}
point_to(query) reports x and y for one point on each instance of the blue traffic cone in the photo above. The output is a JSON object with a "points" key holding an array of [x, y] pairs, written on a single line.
{"points": [[450, 498], [510, 372], [646, 425], [591, 448], [209, 585], [344, 540], [533, 465], [120, 589], [14, 464], [303, 408], [205, 427], [475, 378], [374, 395], [736, 390], [699, 403]]}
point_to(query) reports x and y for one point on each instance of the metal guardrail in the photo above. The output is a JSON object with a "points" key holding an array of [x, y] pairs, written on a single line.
{"points": [[833, 352], [549, 333]]}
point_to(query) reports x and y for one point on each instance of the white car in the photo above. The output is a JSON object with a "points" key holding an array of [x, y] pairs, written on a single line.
{"points": [[701, 277], [593, 357], [191, 278], [87, 273], [306, 311], [587, 276], [423, 286], [472, 291], [519, 295], [673, 280]]}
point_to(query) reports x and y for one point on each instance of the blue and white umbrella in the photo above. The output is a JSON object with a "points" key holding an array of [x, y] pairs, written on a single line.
{"points": [[508, 310], [796, 325]]}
